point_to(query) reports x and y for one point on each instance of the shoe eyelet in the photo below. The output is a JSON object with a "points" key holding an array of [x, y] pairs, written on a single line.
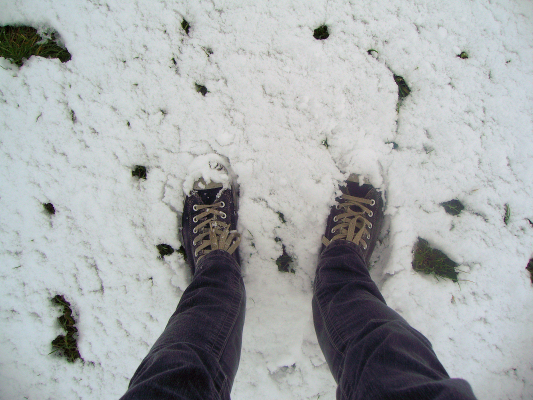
{"points": [[195, 219], [373, 202], [368, 237], [370, 214], [337, 207], [365, 247], [222, 204], [223, 216], [332, 231], [195, 207], [370, 225], [194, 230], [335, 219]]}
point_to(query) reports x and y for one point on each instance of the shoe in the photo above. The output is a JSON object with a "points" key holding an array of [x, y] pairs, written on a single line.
{"points": [[357, 217], [209, 220]]}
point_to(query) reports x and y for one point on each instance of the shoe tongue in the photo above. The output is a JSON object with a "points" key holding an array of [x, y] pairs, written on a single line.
{"points": [[353, 189], [208, 196]]}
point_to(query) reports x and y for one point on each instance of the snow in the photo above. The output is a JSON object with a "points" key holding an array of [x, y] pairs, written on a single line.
{"points": [[275, 94]]}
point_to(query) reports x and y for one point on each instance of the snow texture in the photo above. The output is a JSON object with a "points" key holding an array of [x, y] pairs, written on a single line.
{"points": [[70, 135]]}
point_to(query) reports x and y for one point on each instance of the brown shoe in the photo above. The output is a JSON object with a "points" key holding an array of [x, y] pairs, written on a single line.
{"points": [[357, 217]]}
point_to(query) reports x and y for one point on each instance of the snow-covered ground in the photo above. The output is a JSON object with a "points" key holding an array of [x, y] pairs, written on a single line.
{"points": [[70, 134]]}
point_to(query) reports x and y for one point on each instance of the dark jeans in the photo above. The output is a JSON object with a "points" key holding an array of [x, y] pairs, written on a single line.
{"points": [[371, 350]]}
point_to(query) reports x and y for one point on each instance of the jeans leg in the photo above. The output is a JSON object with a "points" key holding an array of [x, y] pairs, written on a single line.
{"points": [[197, 355], [372, 352]]}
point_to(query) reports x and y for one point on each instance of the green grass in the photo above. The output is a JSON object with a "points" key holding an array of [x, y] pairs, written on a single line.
{"points": [[530, 269], [453, 207], [164, 250], [507, 215], [284, 262], [321, 33], [181, 251], [49, 207], [66, 345], [139, 171], [433, 262], [18, 43], [201, 89], [403, 89], [463, 55], [186, 26]]}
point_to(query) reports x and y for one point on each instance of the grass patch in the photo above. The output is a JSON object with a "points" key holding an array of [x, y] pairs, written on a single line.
{"points": [[281, 217], [453, 207], [18, 43], [66, 345], [284, 262], [186, 26], [321, 33], [530, 269], [139, 171], [433, 262], [201, 89], [49, 208], [403, 89], [325, 143], [372, 50], [463, 55], [181, 251], [507, 215], [207, 50], [164, 250]]}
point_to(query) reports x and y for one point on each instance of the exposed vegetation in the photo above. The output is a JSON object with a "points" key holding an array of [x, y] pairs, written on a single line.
{"points": [[66, 345], [164, 250], [201, 89], [507, 215], [463, 55], [186, 26], [50, 209], [403, 89], [453, 207], [19, 43], [181, 251], [284, 262], [321, 33], [139, 171], [432, 261], [530, 269]]}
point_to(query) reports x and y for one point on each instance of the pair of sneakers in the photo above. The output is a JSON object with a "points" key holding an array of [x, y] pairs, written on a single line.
{"points": [[209, 219]]}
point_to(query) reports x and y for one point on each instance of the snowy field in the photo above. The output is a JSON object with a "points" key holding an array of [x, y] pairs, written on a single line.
{"points": [[71, 134]]}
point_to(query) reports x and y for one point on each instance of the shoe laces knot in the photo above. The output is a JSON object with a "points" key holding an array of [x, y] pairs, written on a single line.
{"points": [[352, 226], [213, 233]]}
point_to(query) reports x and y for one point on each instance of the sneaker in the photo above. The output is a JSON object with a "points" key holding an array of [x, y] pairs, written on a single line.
{"points": [[209, 220], [357, 217]]}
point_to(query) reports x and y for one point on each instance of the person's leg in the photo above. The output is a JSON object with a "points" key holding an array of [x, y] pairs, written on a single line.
{"points": [[372, 352], [198, 354]]}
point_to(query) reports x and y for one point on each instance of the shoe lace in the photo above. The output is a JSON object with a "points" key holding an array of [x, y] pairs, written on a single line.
{"points": [[213, 234], [353, 225]]}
